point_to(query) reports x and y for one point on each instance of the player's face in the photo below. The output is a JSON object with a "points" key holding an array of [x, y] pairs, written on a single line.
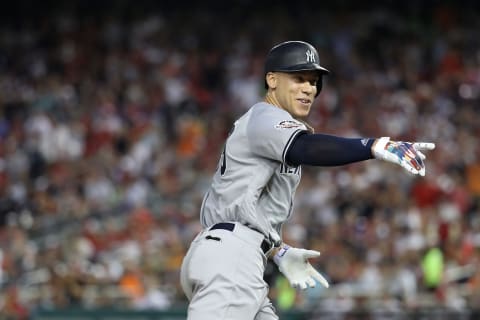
{"points": [[296, 91]]}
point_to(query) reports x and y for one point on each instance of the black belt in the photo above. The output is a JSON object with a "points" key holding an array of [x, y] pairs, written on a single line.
{"points": [[266, 244]]}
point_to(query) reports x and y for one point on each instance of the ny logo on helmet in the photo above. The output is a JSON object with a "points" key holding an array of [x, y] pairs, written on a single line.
{"points": [[310, 56]]}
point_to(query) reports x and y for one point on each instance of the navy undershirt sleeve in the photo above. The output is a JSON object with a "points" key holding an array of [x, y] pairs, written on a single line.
{"points": [[327, 150]]}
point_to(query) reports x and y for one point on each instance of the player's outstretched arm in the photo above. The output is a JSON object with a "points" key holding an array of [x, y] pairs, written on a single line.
{"points": [[406, 154], [294, 265]]}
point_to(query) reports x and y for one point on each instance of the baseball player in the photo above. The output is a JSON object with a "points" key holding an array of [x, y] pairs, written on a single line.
{"points": [[253, 190]]}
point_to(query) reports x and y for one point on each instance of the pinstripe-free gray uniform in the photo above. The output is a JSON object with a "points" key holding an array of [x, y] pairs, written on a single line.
{"points": [[254, 188], [253, 185]]}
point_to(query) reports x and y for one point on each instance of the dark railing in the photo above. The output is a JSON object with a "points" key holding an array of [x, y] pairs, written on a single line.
{"points": [[175, 314]]}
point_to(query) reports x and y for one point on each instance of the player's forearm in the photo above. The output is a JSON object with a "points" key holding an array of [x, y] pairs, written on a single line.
{"points": [[328, 150]]}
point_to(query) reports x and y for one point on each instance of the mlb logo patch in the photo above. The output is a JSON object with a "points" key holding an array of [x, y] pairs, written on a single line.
{"points": [[288, 124]]}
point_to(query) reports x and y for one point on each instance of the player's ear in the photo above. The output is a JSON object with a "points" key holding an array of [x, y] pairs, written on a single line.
{"points": [[271, 79]]}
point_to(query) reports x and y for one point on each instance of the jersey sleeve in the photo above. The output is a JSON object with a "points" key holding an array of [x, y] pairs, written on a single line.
{"points": [[271, 133]]}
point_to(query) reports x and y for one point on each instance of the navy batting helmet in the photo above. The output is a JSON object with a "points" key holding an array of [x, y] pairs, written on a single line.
{"points": [[293, 56]]}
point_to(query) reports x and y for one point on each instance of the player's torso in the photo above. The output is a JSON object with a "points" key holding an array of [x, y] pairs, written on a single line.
{"points": [[252, 186]]}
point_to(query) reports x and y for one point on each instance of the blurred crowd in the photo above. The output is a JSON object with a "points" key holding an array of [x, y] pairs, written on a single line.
{"points": [[111, 124]]}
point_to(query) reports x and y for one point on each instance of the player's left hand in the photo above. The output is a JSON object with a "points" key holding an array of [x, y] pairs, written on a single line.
{"points": [[293, 263], [406, 154]]}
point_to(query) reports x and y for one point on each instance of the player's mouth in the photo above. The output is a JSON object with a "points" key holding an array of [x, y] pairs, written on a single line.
{"points": [[305, 101]]}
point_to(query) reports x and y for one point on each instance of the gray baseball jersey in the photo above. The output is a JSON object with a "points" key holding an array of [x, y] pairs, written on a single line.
{"points": [[253, 185]]}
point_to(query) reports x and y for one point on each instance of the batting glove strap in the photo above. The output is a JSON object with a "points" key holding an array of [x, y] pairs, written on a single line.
{"points": [[293, 264]]}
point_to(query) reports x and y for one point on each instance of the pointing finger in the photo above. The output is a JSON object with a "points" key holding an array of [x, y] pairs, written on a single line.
{"points": [[424, 145]]}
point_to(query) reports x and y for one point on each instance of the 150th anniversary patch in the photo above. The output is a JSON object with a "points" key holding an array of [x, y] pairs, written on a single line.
{"points": [[288, 124]]}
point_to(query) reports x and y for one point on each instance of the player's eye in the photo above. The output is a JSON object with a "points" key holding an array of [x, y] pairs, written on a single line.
{"points": [[298, 78], [302, 79]]}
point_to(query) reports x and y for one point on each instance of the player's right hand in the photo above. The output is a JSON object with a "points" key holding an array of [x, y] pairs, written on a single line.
{"points": [[406, 154]]}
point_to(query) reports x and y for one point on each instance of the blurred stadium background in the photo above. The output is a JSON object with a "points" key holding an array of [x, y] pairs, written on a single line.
{"points": [[112, 114]]}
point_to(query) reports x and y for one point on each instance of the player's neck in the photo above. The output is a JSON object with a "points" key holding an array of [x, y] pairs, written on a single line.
{"points": [[271, 100]]}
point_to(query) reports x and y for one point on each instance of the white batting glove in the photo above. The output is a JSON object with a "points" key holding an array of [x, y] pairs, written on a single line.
{"points": [[405, 154], [294, 265]]}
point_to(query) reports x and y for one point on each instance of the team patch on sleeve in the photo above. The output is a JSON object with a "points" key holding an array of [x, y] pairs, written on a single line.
{"points": [[288, 124]]}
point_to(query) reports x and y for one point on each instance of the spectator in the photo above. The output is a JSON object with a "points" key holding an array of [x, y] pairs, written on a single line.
{"points": [[109, 124]]}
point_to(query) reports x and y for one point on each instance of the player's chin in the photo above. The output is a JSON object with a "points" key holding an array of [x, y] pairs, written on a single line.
{"points": [[302, 111]]}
